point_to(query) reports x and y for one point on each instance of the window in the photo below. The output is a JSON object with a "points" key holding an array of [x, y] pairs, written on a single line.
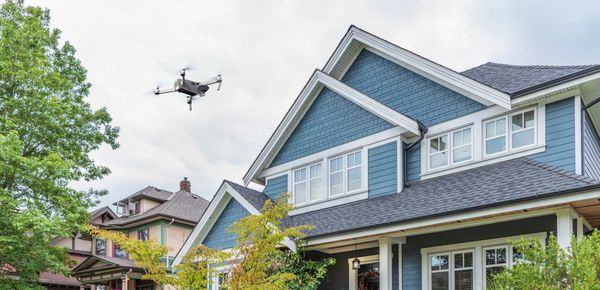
{"points": [[495, 136], [217, 282], [354, 171], [308, 184], [134, 207], [462, 145], [438, 152], [143, 234], [336, 176], [100, 247], [452, 271], [495, 260], [118, 252], [523, 129]]}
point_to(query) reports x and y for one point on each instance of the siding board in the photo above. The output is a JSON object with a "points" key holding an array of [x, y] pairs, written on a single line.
{"points": [[383, 169], [560, 135]]}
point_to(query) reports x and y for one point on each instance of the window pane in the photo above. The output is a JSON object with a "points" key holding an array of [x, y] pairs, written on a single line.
{"points": [[300, 175], [336, 164], [315, 171], [439, 281], [300, 193], [529, 119], [517, 122], [463, 280], [357, 158], [467, 136], [500, 126], [461, 154], [490, 272], [495, 145], [316, 188], [490, 129], [336, 183], [490, 257], [457, 139], [439, 160], [468, 259], [501, 256], [458, 260], [354, 178], [523, 138]]}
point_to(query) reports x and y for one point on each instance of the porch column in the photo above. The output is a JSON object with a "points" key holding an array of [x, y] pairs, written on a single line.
{"points": [[124, 283], [564, 227], [385, 264]]}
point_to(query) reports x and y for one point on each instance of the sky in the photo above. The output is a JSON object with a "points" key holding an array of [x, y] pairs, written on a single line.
{"points": [[266, 51]]}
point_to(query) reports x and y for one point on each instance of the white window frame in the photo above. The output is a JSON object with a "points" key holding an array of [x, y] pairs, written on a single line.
{"points": [[342, 171], [451, 141], [347, 169], [451, 269], [535, 121], [308, 182], [507, 263], [506, 136], [448, 145]]}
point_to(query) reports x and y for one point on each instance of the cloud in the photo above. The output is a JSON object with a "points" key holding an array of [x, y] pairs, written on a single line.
{"points": [[266, 50]]}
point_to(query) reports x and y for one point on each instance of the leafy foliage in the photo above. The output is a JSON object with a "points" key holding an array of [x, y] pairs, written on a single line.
{"points": [[257, 262], [47, 131], [552, 267]]}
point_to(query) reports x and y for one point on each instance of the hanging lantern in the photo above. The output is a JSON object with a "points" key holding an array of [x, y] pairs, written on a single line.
{"points": [[356, 264]]}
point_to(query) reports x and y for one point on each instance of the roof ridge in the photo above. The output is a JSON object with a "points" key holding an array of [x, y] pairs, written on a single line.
{"points": [[538, 66]]}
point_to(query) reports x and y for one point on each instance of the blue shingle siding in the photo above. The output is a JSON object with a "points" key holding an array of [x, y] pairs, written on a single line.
{"points": [[405, 91], [560, 135], [276, 186], [383, 169], [591, 149], [218, 236], [413, 163], [411, 251], [332, 120]]}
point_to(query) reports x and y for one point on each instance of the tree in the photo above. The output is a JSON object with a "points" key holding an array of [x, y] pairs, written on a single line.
{"points": [[47, 132], [552, 267], [256, 262]]}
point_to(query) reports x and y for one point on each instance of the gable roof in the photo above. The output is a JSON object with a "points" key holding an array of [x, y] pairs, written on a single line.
{"points": [[487, 186], [182, 206], [517, 80], [311, 90], [150, 192], [103, 210], [110, 263]]}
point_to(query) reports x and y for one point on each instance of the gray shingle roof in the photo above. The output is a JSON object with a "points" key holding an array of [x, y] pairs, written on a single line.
{"points": [[182, 205], [254, 197], [491, 185], [150, 192], [519, 79]]}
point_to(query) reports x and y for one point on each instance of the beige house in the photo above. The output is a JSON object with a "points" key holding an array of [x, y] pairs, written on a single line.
{"points": [[151, 213]]}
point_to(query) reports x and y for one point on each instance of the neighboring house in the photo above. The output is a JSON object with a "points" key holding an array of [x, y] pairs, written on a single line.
{"points": [[79, 247], [151, 213], [421, 174]]}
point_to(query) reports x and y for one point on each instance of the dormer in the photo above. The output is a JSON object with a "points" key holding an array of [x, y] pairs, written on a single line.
{"points": [[142, 201]]}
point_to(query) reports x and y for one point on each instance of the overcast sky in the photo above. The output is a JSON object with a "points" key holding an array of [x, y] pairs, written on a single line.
{"points": [[266, 50]]}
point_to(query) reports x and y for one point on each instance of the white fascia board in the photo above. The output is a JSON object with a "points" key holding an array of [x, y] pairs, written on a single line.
{"points": [[452, 218], [552, 90], [420, 65], [304, 100]]}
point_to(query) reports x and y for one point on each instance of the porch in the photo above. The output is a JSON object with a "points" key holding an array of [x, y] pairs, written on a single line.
{"points": [[458, 251]]}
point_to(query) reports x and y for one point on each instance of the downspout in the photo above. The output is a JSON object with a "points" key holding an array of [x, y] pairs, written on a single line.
{"points": [[422, 131]]}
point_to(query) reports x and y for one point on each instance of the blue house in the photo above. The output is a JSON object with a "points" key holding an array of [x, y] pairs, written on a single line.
{"points": [[421, 173]]}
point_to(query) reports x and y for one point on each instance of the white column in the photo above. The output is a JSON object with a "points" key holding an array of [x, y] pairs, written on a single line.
{"points": [[385, 264], [124, 284], [401, 241], [579, 227], [564, 227]]}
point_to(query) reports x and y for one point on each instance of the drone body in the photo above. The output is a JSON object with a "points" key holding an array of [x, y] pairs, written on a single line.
{"points": [[190, 88]]}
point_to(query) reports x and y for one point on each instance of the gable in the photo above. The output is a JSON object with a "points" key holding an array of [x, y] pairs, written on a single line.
{"points": [[405, 91], [218, 236], [330, 121], [276, 186]]}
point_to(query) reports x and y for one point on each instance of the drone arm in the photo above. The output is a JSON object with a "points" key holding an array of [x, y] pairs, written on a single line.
{"points": [[213, 80], [158, 91]]}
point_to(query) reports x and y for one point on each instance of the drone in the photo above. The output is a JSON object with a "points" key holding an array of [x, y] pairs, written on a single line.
{"points": [[190, 88]]}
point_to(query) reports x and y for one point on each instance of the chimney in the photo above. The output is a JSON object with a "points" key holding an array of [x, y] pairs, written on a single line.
{"points": [[185, 185]]}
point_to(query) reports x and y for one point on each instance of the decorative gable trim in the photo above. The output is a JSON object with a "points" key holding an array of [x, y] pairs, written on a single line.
{"points": [[311, 90], [225, 193], [356, 39]]}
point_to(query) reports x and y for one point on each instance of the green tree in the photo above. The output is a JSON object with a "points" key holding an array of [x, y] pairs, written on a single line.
{"points": [[256, 262], [47, 131], [547, 267]]}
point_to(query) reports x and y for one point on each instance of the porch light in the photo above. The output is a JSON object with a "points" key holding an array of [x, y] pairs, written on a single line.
{"points": [[356, 261], [356, 264]]}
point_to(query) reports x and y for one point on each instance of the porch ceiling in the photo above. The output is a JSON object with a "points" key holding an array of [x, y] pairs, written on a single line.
{"points": [[590, 210]]}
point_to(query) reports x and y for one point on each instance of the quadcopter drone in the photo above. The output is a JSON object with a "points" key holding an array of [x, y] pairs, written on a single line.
{"points": [[190, 88]]}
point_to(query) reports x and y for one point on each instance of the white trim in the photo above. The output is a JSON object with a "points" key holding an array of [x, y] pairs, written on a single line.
{"points": [[385, 263], [551, 90], [578, 136], [535, 126], [352, 274], [419, 65], [496, 136], [452, 219], [477, 247], [303, 102]]}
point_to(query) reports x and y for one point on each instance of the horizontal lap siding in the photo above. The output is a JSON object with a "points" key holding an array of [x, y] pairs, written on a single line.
{"points": [[383, 169], [411, 251], [332, 120], [218, 236], [560, 135], [276, 186], [591, 150]]}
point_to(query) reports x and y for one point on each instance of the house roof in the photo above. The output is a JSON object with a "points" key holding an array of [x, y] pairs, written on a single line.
{"points": [[255, 198], [150, 192], [182, 205], [103, 210], [517, 80], [109, 261]]}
